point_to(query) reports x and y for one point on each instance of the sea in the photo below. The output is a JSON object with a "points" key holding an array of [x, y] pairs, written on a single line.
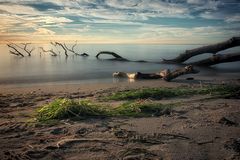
{"points": [[42, 68]]}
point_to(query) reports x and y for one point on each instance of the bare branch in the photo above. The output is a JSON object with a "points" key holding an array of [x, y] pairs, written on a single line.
{"points": [[23, 47], [61, 45], [50, 51], [72, 49], [115, 55], [26, 50], [15, 52]]}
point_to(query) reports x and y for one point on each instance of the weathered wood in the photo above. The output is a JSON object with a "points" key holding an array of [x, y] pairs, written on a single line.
{"points": [[84, 55], [214, 48], [164, 74], [73, 51], [218, 58], [17, 49], [29, 52], [179, 72], [15, 52], [116, 56], [61, 45], [50, 51]]}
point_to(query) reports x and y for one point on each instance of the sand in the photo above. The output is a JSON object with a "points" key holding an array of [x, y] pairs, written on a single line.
{"points": [[200, 128]]}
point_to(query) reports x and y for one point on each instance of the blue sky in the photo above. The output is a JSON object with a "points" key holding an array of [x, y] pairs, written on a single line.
{"points": [[120, 21]]}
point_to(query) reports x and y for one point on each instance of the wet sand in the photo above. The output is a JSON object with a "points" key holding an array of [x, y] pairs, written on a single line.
{"points": [[200, 128]]}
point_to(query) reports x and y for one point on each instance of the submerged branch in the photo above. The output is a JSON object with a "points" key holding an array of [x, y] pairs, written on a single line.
{"points": [[61, 45], [26, 50], [24, 46], [115, 55], [50, 51], [15, 52], [73, 51]]}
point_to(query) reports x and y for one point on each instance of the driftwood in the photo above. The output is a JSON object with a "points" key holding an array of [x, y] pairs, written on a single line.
{"points": [[15, 52], [52, 53], [115, 55], [214, 48], [17, 49], [73, 51], [29, 52], [178, 72], [166, 75], [218, 58], [61, 45]]}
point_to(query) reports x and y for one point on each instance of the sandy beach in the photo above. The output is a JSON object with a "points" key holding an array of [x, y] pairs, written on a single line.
{"points": [[200, 128]]}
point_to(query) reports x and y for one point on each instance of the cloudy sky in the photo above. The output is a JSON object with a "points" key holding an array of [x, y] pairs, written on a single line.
{"points": [[120, 21]]}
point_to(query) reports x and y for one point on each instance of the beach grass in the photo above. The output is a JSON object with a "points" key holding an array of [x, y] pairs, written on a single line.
{"points": [[142, 109], [136, 105], [160, 93], [67, 108]]}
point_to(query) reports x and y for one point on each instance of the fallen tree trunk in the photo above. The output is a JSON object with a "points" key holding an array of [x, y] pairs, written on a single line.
{"points": [[166, 75], [214, 48], [218, 58]]}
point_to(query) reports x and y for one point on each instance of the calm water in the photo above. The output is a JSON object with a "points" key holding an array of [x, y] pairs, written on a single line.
{"points": [[75, 69]]}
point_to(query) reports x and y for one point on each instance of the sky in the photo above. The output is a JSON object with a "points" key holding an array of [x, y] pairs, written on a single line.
{"points": [[119, 21]]}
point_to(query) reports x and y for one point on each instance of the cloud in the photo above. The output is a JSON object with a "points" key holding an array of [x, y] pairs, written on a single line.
{"points": [[49, 20], [133, 18], [83, 29], [17, 9], [234, 18], [44, 6], [43, 31]]}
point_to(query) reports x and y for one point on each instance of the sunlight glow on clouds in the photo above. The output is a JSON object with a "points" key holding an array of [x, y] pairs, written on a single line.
{"points": [[120, 21]]}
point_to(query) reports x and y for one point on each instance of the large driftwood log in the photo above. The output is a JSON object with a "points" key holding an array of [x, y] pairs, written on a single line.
{"points": [[214, 48], [218, 58], [166, 74]]}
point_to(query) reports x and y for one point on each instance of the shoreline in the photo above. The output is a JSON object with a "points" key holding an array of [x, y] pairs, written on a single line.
{"points": [[84, 87], [199, 127]]}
